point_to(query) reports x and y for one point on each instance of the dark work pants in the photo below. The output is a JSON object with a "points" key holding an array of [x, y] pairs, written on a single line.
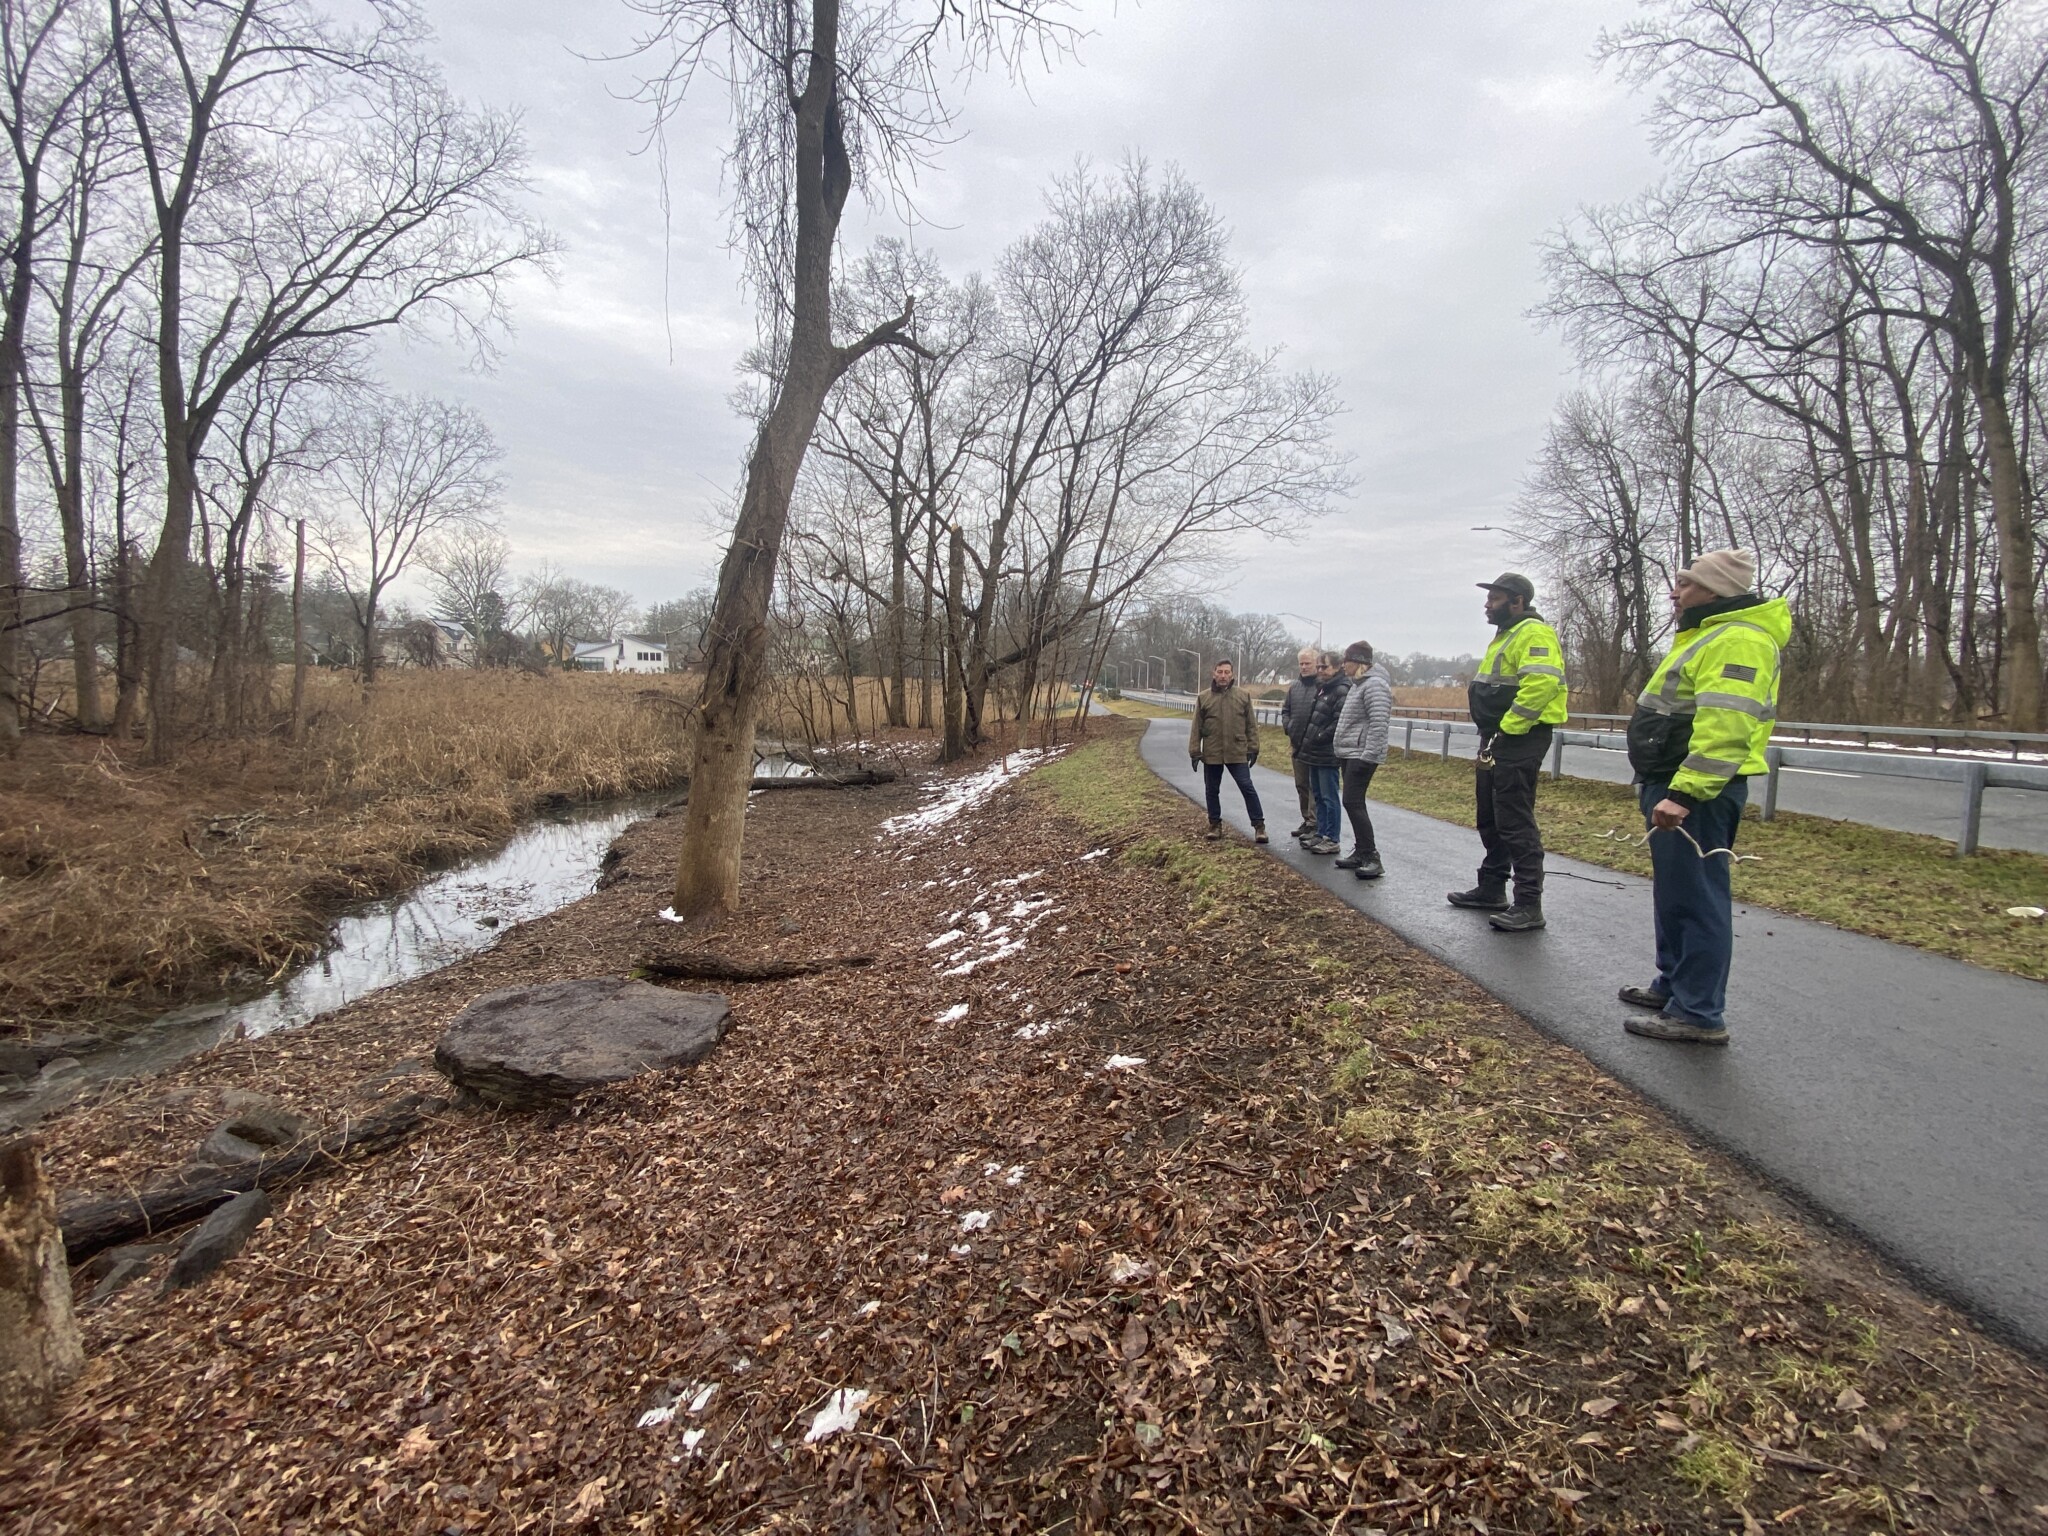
{"points": [[1690, 895], [1357, 780], [1304, 791], [1506, 800], [1241, 775]]}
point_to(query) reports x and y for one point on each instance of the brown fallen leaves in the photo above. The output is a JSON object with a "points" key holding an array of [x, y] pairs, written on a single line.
{"points": [[1202, 1295]]}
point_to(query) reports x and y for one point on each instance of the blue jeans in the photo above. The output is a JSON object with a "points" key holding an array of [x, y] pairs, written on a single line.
{"points": [[1241, 775], [1325, 783], [1693, 905]]}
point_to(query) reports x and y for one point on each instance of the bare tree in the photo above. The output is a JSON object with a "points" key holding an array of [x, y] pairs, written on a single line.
{"points": [[466, 566], [386, 205], [406, 471], [825, 96]]}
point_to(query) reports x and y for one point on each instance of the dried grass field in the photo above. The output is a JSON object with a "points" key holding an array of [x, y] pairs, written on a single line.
{"points": [[123, 885]]}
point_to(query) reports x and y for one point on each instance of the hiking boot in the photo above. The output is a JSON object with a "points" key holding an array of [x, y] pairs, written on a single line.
{"points": [[1484, 898], [1259, 832], [1351, 860], [1644, 997], [1371, 869], [1324, 845], [1662, 1026], [1215, 832], [1520, 918], [1304, 830]]}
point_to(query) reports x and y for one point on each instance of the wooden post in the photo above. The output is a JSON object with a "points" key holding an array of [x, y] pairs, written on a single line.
{"points": [[299, 637], [40, 1354]]}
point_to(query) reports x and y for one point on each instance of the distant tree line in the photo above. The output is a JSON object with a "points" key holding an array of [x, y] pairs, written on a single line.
{"points": [[1819, 338]]}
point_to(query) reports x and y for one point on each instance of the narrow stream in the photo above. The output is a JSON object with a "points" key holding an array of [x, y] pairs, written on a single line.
{"points": [[551, 862]]}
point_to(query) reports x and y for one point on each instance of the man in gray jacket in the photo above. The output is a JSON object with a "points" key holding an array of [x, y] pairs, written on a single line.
{"points": [[1295, 709], [1361, 746]]}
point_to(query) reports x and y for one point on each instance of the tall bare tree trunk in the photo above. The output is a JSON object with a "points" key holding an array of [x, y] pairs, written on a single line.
{"points": [[298, 727], [956, 649], [2022, 631], [736, 648], [40, 1354]]}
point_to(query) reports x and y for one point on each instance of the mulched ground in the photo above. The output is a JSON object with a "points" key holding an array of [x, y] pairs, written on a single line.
{"points": [[1339, 1245]]}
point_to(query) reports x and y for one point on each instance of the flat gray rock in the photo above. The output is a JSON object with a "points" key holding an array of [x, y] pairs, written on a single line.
{"points": [[531, 1047], [217, 1239], [223, 1149]]}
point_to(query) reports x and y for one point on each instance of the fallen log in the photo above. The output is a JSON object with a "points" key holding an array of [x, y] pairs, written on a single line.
{"points": [[700, 966], [851, 779], [92, 1225]]}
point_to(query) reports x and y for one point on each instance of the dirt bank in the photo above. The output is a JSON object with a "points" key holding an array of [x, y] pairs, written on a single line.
{"points": [[1138, 1187]]}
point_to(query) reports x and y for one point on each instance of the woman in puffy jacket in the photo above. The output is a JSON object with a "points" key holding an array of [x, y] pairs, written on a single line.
{"points": [[1360, 744], [1317, 748]]}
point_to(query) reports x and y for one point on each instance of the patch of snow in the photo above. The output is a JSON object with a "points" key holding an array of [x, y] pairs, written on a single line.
{"points": [[1029, 908], [961, 1250], [654, 1418], [1016, 880], [952, 1015], [982, 920], [1094, 853], [1039, 1030], [990, 1170], [955, 796], [950, 936], [1008, 948], [1123, 1063], [976, 1221], [692, 1438], [840, 1414], [1015, 1176]]}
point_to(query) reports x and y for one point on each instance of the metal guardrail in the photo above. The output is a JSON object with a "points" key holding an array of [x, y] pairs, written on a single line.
{"points": [[2010, 742], [1972, 776]]}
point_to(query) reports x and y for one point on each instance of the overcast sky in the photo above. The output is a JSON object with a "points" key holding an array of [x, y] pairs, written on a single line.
{"points": [[1386, 167]]}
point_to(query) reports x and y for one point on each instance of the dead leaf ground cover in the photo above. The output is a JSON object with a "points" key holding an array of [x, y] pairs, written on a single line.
{"points": [[1341, 1246]]}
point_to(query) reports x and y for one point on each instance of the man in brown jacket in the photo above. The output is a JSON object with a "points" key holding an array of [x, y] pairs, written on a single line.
{"points": [[1225, 735]]}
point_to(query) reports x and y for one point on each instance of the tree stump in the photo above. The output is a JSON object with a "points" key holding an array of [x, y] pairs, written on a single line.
{"points": [[40, 1354]]}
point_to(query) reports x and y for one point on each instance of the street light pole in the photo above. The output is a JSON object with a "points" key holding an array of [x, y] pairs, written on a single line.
{"points": [[1184, 651], [1306, 620], [1162, 671]]}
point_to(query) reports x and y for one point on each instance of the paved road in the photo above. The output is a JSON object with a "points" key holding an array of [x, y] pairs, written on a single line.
{"points": [[2013, 818], [1899, 1093]]}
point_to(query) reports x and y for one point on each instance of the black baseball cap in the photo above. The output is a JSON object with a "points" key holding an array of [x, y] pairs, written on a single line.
{"points": [[1513, 583]]}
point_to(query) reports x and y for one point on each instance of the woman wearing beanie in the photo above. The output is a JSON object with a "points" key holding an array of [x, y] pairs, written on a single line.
{"points": [[1699, 730], [1361, 746]]}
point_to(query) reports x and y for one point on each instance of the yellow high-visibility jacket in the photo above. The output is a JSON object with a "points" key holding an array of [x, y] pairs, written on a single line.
{"points": [[1521, 682], [1706, 715]]}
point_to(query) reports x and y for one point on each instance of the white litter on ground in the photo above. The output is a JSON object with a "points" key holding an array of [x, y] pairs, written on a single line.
{"points": [[1125, 1270], [954, 796], [961, 1250], [840, 1413], [950, 936], [1016, 1175], [654, 1418], [990, 1170], [705, 1392], [2026, 912], [952, 1015], [976, 1221], [1123, 1063], [1093, 853], [692, 1438], [668, 915], [869, 1309]]}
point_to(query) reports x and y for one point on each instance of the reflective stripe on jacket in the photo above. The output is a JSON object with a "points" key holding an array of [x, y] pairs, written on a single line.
{"points": [[1527, 658], [1722, 675]]}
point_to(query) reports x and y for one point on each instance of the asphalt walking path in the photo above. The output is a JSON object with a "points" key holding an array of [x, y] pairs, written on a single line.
{"points": [[1898, 1093]]}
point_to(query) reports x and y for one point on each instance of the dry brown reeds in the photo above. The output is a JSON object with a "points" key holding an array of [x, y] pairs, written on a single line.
{"points": [[123, 886]]}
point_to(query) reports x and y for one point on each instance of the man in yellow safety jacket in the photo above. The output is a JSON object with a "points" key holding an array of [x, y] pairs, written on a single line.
{"points": [[1518, 696], [1700, 729]]}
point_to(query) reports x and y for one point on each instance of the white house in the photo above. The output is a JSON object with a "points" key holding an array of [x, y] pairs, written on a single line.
{"points": [[626, 655]]}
